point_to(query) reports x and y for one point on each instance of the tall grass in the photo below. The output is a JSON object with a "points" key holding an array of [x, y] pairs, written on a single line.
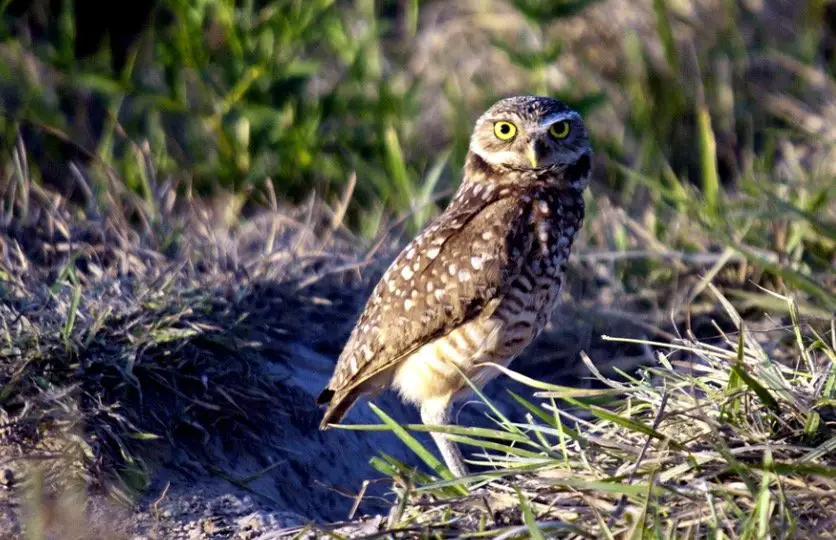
{"points": [[711, 440], [306, 94], [711, 211]]}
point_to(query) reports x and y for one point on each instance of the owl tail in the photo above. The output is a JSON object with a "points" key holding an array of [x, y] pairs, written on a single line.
{"points": [[338, 405]]}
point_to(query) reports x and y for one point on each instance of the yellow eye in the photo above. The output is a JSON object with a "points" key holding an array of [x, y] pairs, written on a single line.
{"points": [[504, 130], [560, 130]]}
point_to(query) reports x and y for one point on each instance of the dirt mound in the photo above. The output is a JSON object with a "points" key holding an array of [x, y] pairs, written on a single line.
{"points": [[164, 360]]}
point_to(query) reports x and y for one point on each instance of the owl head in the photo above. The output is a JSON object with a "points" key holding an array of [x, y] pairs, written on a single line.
{"points": [[530, 133]]}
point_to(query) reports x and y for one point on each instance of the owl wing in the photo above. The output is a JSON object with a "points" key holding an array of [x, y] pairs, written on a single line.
{"points": [[446, 276]]}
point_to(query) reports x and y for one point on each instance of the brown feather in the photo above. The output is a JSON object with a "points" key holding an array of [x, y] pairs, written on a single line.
{"points": [[384, 334], [338, 407]]}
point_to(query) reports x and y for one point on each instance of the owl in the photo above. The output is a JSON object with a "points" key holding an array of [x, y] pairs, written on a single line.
{"points": [[480, 282]]}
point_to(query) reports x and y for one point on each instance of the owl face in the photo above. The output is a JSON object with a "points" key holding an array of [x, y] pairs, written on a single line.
{"points": [[529, 133]]}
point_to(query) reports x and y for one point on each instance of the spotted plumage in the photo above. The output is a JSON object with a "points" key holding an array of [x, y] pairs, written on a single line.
{"points": [[480, 282]]}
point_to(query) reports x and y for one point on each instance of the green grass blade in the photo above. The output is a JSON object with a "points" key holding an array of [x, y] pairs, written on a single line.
{"points": [[628, 423], [793, 277], [486, 433], [554, 389], [414, 445], [665, 32], [72, 313], [528, 517], [708, 161], [739, 370]]}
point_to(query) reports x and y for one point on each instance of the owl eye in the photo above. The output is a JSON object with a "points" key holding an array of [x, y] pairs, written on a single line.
{"points": [[560, 130], [504, 130]]}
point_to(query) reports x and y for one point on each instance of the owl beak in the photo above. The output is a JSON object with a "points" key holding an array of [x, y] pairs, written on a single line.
{"points": [[531, 154]]}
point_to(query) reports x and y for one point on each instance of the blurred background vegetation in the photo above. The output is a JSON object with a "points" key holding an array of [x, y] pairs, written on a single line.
{"points": [[713, 127], [712, 120]]}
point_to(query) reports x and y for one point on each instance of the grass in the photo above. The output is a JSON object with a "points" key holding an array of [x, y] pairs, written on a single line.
{"points": [[253, 156], [710, 440]]}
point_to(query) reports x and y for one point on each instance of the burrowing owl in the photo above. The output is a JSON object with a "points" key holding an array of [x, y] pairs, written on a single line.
{"points": [[480, 282]]}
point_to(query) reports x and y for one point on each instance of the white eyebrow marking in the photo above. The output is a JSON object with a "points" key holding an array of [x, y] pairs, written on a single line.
{"points": [[557, 117], [494, 158]]}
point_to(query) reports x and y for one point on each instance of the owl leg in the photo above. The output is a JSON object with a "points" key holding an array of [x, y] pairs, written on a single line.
{"points": [[437, 412]]}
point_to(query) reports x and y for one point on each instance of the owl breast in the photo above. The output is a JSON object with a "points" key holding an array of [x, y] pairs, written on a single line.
{"points": [[511, 323], [535, 292]]}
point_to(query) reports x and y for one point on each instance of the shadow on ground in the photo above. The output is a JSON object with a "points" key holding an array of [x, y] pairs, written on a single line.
{"points": [[184, 371]]}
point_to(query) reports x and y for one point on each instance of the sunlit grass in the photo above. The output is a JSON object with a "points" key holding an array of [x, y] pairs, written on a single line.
{"points": [[711, 205], [709, 440]]}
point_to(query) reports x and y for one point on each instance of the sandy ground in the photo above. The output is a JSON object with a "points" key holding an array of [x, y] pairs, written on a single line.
{"points": [[301, 475]]}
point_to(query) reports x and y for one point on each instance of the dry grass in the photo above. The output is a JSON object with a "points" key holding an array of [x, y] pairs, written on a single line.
{"points": [[134, 329], [715, 438], [127, 326], [133, 323]]}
